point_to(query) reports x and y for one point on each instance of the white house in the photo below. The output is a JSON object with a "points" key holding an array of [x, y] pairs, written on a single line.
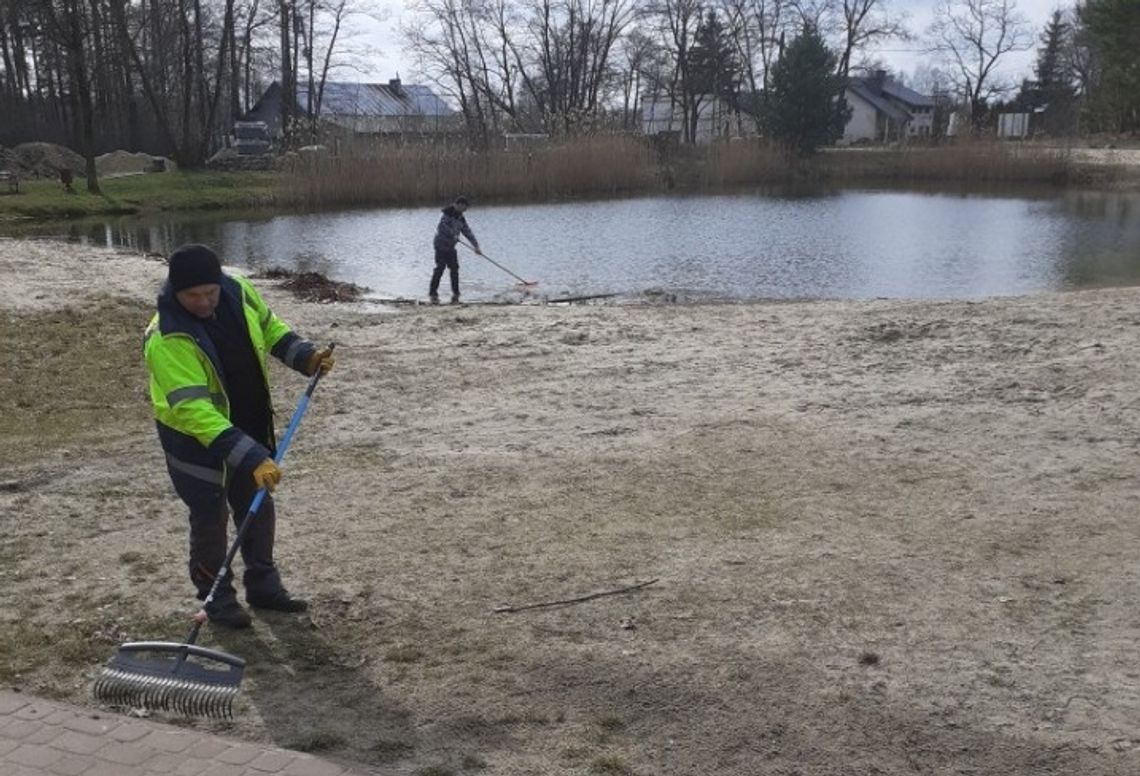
{"points": [[885, 111]]}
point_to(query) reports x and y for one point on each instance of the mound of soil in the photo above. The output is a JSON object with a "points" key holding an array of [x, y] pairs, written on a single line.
{"points": [[127, 163], [41, 160]]}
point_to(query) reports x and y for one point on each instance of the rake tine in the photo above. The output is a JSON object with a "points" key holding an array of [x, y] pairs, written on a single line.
{"points": [[204, 698], [162, 692], [225, 703], [191, 698]]}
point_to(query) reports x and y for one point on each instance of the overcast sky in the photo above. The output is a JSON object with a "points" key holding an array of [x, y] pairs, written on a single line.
{"points": [[389, 59]]}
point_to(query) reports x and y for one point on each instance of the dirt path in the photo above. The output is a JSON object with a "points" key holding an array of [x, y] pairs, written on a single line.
{"points": [[890, 537]]}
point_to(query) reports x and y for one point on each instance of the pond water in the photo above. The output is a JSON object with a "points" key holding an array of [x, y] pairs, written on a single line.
{"points": [[845, 244]]}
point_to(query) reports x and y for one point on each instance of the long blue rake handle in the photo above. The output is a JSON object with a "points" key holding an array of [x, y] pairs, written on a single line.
{"points": [[254, 505]]}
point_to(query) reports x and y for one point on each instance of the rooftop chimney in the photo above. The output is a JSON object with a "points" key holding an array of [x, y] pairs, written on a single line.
{"points": [[394, 85]]}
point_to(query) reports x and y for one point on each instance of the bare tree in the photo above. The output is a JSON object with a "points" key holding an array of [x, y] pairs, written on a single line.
{"points": [[448, 39], [820, 15], [865, 22], [637, 53], [676, 23], [571, 42], [973, 36], [506, 60], [66, 24], [757, 29]]}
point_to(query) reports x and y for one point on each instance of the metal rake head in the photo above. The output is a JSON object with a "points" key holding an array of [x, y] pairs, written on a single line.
{"points": [[182, 678]]}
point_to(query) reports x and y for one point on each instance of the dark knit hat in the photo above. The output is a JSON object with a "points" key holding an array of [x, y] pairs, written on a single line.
{"points": [[193, 265]]}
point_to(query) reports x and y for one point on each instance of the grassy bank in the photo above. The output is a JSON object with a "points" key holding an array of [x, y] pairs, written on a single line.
{"points": [[131, 194], [401, 175]]}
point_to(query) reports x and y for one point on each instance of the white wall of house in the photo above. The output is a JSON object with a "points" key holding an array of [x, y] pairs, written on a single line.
{"points": [[660, 115], [922, 125], [862, 126], [1013, 125]]}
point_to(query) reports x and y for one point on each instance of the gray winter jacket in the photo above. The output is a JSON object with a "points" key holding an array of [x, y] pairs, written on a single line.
{"points": [[451, 225]]}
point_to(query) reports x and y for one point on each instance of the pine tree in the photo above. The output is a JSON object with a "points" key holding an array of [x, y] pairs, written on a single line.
{"points": [[1053, 89], [714, 71], [714, 64], [1051, 70], [1112, 30], [806, 108]]}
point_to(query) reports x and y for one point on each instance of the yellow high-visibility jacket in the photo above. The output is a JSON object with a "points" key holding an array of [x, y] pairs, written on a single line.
{"points": [[191, 407]]}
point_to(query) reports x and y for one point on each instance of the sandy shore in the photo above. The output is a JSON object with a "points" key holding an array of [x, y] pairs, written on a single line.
{"points": [[888, 536]]}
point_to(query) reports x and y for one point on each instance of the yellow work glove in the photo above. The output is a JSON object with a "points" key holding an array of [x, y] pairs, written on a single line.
{"points": [[323, 359], [267, 475]]}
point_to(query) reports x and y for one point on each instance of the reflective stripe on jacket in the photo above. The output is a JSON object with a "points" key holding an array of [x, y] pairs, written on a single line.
{"points": [[188, 390]]}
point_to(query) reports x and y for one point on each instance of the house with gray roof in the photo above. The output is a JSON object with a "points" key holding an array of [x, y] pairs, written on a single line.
{"points": [[885, 111], [392, 109]]}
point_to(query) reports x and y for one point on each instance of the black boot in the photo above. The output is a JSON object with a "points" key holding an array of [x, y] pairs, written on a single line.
{"points": [[229, 614], [280, 601]]}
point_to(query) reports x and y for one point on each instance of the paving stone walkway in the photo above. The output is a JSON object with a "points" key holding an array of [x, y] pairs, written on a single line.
{"points": [[45, 738]]}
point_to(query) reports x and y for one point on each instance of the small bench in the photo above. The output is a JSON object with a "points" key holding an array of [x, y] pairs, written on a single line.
{"points": [[12, 179]]}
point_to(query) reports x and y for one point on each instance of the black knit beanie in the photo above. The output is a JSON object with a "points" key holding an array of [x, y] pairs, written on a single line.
{"points": [[193, 265]]}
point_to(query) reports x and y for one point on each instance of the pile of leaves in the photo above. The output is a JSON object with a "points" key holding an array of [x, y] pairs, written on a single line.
{"points": [[315, 287]]}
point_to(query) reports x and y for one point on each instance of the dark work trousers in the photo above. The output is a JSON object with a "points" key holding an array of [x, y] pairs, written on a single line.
{"points": [[209, 543], [449, 260]]}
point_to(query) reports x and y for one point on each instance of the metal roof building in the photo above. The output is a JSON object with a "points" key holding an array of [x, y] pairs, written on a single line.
{"points": [[391, 108]]}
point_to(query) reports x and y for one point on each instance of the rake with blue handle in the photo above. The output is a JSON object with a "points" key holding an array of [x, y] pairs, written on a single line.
{"points": [[183, 677]]}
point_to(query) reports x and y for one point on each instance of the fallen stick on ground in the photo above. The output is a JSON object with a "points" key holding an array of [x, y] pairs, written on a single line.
{"points": [[561, 299], [578, 600]]}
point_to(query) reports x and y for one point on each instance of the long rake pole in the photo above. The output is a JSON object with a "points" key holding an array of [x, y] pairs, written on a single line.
{"points": [[159, 674], [500, 266], [201, 617]]}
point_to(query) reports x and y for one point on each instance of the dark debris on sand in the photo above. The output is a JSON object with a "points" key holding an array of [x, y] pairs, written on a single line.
{"points": [[314, 287]]}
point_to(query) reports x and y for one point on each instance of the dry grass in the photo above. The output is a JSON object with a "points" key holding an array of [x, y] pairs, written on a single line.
{"points": [[390, 174], [982, 162], [608, 165], [72, 373]]}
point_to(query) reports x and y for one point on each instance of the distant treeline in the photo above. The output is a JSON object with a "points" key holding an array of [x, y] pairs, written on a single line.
{"points": [[163, 76], [170, 76]]}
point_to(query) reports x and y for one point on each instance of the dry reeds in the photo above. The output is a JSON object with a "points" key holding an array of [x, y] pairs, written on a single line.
{"points": [[609, 165], [389, 174], [970, 162], [746, 161]]}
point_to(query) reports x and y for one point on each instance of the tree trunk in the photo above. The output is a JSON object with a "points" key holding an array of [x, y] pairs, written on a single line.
{"points": [[288, 91]]}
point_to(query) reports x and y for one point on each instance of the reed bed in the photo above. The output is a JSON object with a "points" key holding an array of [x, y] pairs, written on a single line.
{"points": [[964, 162], [390, 174], [613, 165]]}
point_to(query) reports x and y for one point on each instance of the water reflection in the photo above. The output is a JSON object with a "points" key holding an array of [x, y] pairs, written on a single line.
{"points": [[838, 244]]}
